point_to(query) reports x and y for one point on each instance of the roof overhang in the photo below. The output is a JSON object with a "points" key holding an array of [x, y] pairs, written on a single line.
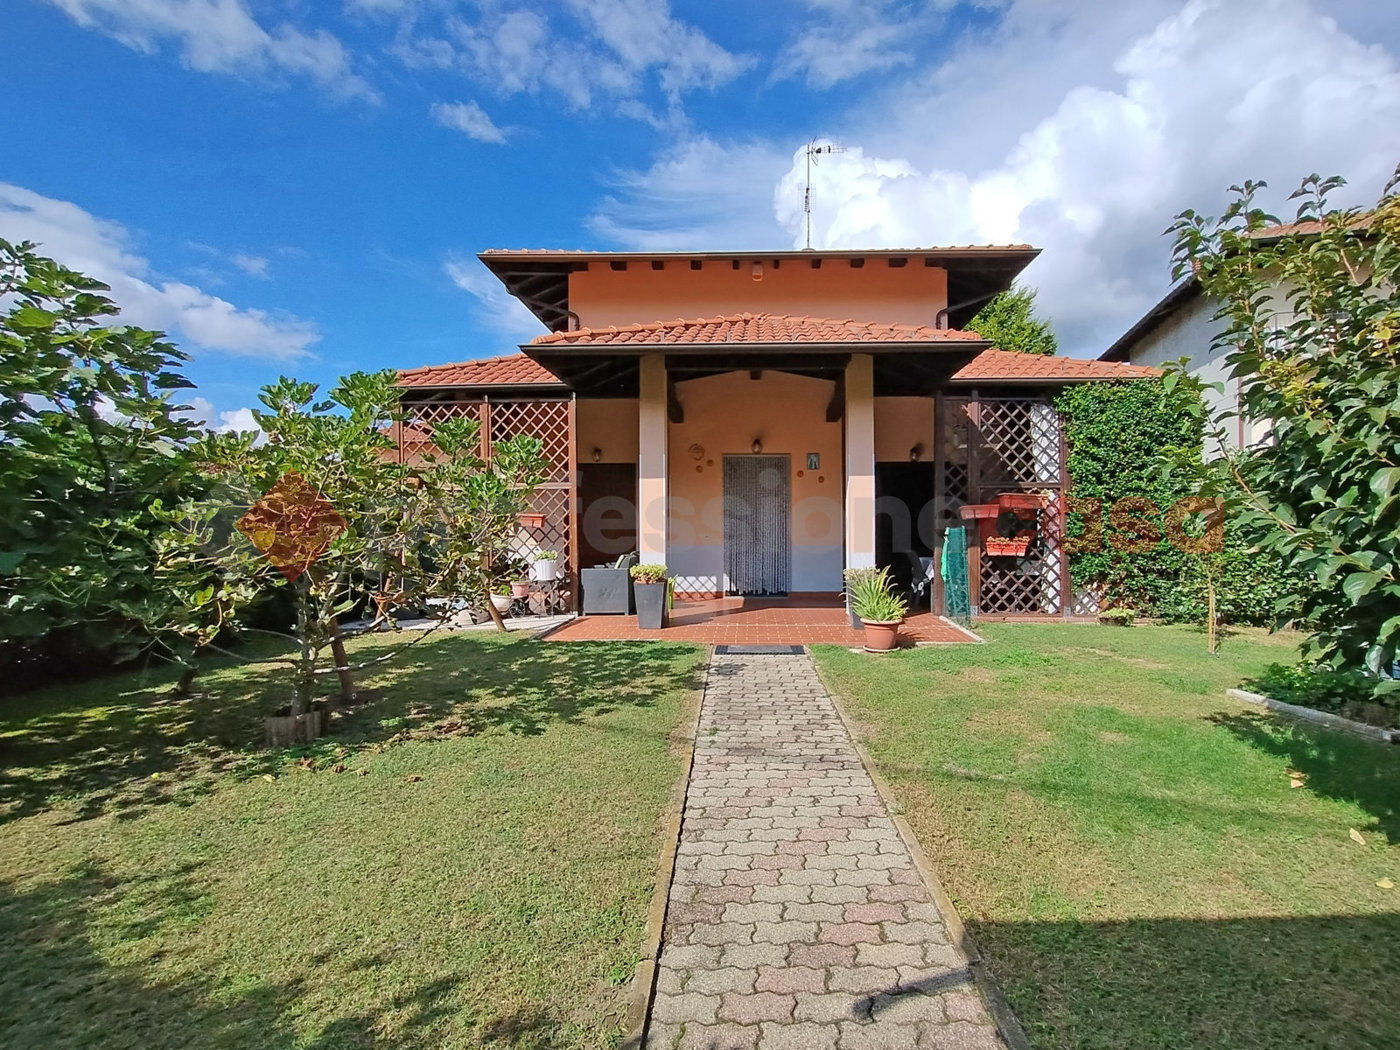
{"points": [[540, 279], [901, 368]]}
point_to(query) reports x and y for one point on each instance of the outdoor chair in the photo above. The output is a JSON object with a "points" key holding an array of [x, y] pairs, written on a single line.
{"points": [[608, 588]]}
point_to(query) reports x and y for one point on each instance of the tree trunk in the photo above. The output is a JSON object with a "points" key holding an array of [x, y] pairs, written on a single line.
{"points": [[1212, 644], [185, 685], [342, 663]]}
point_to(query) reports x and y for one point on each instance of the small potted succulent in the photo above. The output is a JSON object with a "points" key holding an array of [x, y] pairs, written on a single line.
{"points": [[881, 611], [650, 590], [853, 577], [545, 567]]}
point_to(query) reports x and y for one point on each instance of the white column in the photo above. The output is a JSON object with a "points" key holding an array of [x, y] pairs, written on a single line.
{"points": [[651, 460], [860, 462]]}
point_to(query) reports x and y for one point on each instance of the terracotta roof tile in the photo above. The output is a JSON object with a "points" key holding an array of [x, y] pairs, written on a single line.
{"points": [[510, 370], [989, 366], [756, 328], [1001, 366]]}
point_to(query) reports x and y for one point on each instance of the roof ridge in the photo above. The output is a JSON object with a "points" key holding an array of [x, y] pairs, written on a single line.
{"points": [[732, 319]]}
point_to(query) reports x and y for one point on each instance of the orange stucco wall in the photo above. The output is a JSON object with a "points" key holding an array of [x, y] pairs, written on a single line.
{"points": [[609, 425], [900, 424], [723, 415], [912, 294]]}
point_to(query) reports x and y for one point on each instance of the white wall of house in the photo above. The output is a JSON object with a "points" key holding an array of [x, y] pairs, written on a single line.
{"points": [[1188, 333]]}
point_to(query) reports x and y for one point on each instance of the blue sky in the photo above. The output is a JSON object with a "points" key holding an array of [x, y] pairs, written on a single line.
{"points": [[300, 187]]}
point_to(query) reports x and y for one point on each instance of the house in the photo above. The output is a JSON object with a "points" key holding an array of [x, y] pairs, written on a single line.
{"points": [[1183, 325], [759, 421]]}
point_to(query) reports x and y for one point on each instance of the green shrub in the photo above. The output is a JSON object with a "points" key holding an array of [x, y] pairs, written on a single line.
{"points": [[1117, 617], [1350, 693]]}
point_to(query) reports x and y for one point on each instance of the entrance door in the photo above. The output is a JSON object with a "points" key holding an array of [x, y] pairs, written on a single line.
{"points": [[757, 536]]}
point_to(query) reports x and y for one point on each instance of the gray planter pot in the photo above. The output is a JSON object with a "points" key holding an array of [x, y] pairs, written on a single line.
{"points": [[651, 605]]}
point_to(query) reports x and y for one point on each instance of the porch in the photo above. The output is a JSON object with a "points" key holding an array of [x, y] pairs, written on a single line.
{"points": [[799, 619]]}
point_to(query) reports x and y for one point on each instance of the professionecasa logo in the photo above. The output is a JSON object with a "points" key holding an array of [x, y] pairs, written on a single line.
{"points": [[292, 525]]}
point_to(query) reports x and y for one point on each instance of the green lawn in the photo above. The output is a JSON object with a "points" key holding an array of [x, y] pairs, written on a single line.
{"points": [[477, 874], [1124, 842]]}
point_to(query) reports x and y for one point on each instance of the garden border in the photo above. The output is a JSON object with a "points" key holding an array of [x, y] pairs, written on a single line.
{"points": [[1323, 718], [1002, 1015], [644, 976]]}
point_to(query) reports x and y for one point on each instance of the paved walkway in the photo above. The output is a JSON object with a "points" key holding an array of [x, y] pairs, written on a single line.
{"points": [[796, 916]]}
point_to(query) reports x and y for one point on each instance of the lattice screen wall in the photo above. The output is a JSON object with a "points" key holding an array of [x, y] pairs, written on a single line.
{"points": [[990, 445], [549, 420]]}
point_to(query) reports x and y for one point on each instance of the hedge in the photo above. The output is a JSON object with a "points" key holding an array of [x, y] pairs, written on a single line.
{"points": [[1117, 433]]}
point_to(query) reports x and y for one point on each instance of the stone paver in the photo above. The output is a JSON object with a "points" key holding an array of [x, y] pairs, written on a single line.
{"points": [[796, 917]]}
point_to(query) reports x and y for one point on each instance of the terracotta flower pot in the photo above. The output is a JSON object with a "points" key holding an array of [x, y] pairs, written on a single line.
{"points": [[881, 635], [520, 589]]}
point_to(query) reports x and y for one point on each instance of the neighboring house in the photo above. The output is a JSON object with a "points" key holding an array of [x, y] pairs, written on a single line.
{"points": [[1183, 325], [761, 421]]}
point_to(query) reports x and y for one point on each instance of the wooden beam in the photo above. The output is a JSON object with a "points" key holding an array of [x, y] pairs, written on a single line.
{"points": [[675, 411], [836, 407]]}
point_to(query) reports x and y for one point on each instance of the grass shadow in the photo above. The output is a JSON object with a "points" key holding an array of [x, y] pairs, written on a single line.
{"points": [[61, 988], [122, 745], [1335, 765], [1241, 984]]}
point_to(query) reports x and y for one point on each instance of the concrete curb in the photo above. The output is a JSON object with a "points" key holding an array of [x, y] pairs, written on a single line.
{"points": [[1000, 1010], [644, 977], [1322, 718]]}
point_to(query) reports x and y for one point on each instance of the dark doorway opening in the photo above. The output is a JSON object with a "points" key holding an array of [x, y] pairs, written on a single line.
{"points": [[903, 498], [607, 494]]}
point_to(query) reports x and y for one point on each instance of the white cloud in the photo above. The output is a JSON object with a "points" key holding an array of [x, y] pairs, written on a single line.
{"points": [[497, 309], [699, 195], [1080, 129], [100, 249], [851, 39], [203, 413], [581, 50], [252, 265], [468, 118], [222, 36]]}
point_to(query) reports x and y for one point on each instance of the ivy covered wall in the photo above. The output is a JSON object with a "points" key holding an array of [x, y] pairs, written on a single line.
{"points": [[1116, 433]]}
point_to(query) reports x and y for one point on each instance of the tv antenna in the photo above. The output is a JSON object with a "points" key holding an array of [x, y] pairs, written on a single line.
{"points": [[813, 153]]}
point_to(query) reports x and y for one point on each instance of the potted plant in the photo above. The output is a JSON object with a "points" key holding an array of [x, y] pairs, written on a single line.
{"points": [[1117, 617], [881, 611], [650, 589], [545, 567], [853, 578], [500, 597]]}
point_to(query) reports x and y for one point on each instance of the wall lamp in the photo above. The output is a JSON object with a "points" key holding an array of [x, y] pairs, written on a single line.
{"points": [[758, 271], [916, 452], [597, 455], [757, 446]]}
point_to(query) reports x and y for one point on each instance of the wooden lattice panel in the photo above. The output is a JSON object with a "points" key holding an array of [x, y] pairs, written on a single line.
{"points": [[1029, 583], [1018, 441], [546, 420], [551, 422]]}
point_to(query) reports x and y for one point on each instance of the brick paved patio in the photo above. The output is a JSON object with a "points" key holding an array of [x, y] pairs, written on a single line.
{"points": [[796, 915], [804, 620]]}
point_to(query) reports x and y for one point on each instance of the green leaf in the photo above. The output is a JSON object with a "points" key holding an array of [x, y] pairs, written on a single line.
{"points": [[1359, 584], [1383, 481]]}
